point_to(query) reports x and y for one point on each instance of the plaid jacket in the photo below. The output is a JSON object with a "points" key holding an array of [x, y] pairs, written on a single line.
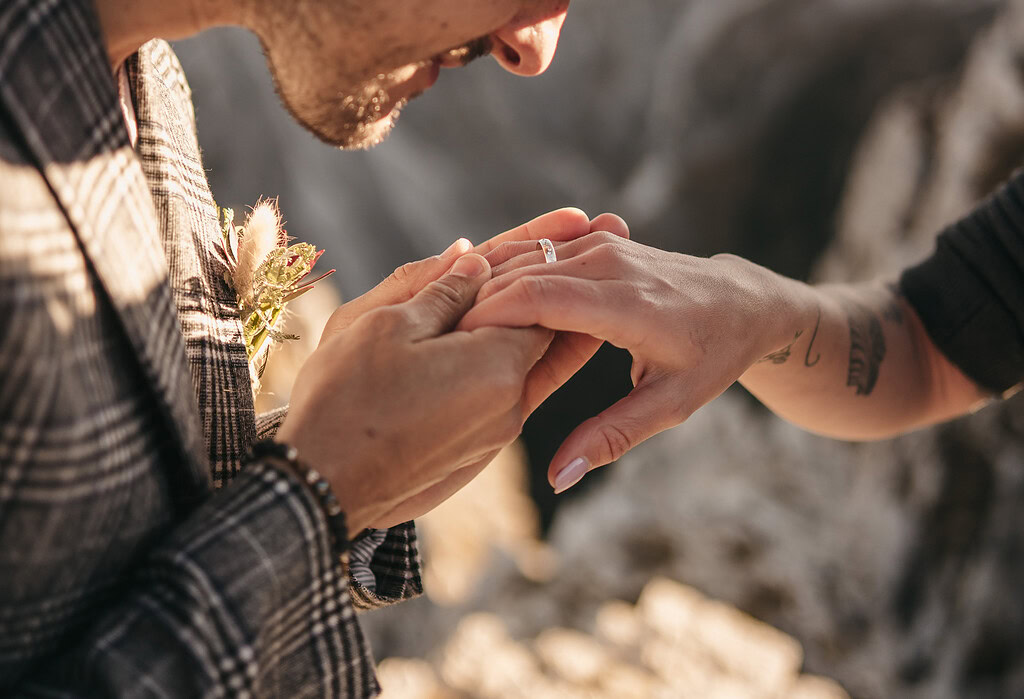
{"points": [[124, 401]]}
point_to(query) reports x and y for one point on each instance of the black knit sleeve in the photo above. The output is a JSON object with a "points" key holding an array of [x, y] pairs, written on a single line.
{"points": [[970, 292]]}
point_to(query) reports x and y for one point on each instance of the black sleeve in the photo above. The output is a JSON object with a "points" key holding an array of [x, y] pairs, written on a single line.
{"points": [[970, 292]]}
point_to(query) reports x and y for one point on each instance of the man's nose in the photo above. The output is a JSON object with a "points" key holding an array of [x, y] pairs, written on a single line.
{"points": [[528, 50]]}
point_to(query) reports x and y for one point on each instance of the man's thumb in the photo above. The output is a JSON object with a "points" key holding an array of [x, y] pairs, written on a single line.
{"points": [[439, 307]]}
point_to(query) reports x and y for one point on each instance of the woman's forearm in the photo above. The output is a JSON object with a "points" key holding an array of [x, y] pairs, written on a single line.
{"points": [[859, 365]]}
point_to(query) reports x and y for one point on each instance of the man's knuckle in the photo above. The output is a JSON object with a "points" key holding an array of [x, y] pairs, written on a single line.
{"points": [[508, 384], [385, 321], [446, 292], [402, 275], [607, 250]]}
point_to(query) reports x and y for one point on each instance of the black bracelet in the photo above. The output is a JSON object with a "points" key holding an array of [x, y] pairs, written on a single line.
{"points": [[318, 485]]}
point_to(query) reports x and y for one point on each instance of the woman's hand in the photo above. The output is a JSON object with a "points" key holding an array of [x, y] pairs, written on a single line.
{"points": [[693, 326]]}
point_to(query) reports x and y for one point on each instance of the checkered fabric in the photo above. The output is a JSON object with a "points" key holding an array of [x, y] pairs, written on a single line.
{"points": [[124, 401]]}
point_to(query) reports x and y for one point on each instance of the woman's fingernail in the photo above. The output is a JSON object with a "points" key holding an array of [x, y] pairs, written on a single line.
{"points": [[459, 246], [571, 475], [469, 266]]}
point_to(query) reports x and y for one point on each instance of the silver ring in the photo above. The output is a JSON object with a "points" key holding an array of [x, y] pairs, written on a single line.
{"points": [[549, 250]]}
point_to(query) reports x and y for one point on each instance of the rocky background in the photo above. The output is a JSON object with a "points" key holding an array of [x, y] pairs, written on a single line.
{"points": [[828, 139]]}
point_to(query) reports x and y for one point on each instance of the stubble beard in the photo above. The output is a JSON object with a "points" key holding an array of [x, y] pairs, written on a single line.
{"points": [[354, 119]]}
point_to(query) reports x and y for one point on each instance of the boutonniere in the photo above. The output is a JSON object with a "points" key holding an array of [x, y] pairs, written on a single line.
{"points": [[267, 271]]}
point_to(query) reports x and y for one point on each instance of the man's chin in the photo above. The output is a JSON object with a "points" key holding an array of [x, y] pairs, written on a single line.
{"points": [[359, 136], [367, 136], [346, 134]]}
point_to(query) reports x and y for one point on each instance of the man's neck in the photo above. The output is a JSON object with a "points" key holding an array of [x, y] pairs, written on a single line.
{"points": [[128, 24]]}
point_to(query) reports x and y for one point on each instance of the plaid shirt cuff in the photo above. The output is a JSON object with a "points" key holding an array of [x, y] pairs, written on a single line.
{"points": [[383, 564], [385, 568]]}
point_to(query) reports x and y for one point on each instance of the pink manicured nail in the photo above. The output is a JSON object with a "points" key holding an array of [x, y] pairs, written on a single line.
{"points": [[571, 475]]}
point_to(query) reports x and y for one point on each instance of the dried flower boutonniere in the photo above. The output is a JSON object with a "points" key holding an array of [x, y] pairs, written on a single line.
{"points": [[266, 273]]}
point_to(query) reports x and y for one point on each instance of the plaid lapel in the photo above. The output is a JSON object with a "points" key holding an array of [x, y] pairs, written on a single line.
{"points": [[193, 245], [69, 118]]}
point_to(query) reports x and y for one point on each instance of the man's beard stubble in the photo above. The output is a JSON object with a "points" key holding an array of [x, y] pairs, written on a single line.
{"points": [[354, 121]]}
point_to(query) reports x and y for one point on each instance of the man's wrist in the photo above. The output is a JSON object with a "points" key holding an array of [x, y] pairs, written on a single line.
{"points": [[286, 457]]}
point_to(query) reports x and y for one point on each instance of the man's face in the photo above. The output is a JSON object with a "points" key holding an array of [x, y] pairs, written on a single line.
{"points": [[345, 68]]}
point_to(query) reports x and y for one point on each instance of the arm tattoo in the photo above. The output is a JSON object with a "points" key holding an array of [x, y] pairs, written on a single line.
{"points": [[867, 349], [781, 356], [807, 357]]}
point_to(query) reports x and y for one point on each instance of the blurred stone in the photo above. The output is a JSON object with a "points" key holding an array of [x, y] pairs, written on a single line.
{"points": [[623, 680], [491, 514], [739, 645], [618, 623], [402, 678], [930, 153], [572, 655], [690, 647], [810, 687], [483, 661]]}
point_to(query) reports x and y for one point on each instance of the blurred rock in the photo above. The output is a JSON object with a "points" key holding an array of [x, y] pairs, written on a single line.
{"points": [[491, 516], [713, 126], [894, 564], [931, 152], [687, 646]]}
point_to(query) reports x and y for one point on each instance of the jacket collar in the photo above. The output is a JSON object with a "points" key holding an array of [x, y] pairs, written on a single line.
{"points": [[59, 90]]}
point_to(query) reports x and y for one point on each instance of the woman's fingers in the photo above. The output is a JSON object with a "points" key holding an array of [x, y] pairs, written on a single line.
{"points": [[558, 227], [520, 255], [577, 267], [611, 223], [563, 224], [598, 308], [648, 410]]}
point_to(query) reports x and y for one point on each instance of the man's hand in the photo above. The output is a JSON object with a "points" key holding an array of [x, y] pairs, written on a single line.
{"points": [[395, 403]]}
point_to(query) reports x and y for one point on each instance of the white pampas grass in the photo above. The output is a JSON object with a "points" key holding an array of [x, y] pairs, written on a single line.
{"points": [[261, 234]]}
